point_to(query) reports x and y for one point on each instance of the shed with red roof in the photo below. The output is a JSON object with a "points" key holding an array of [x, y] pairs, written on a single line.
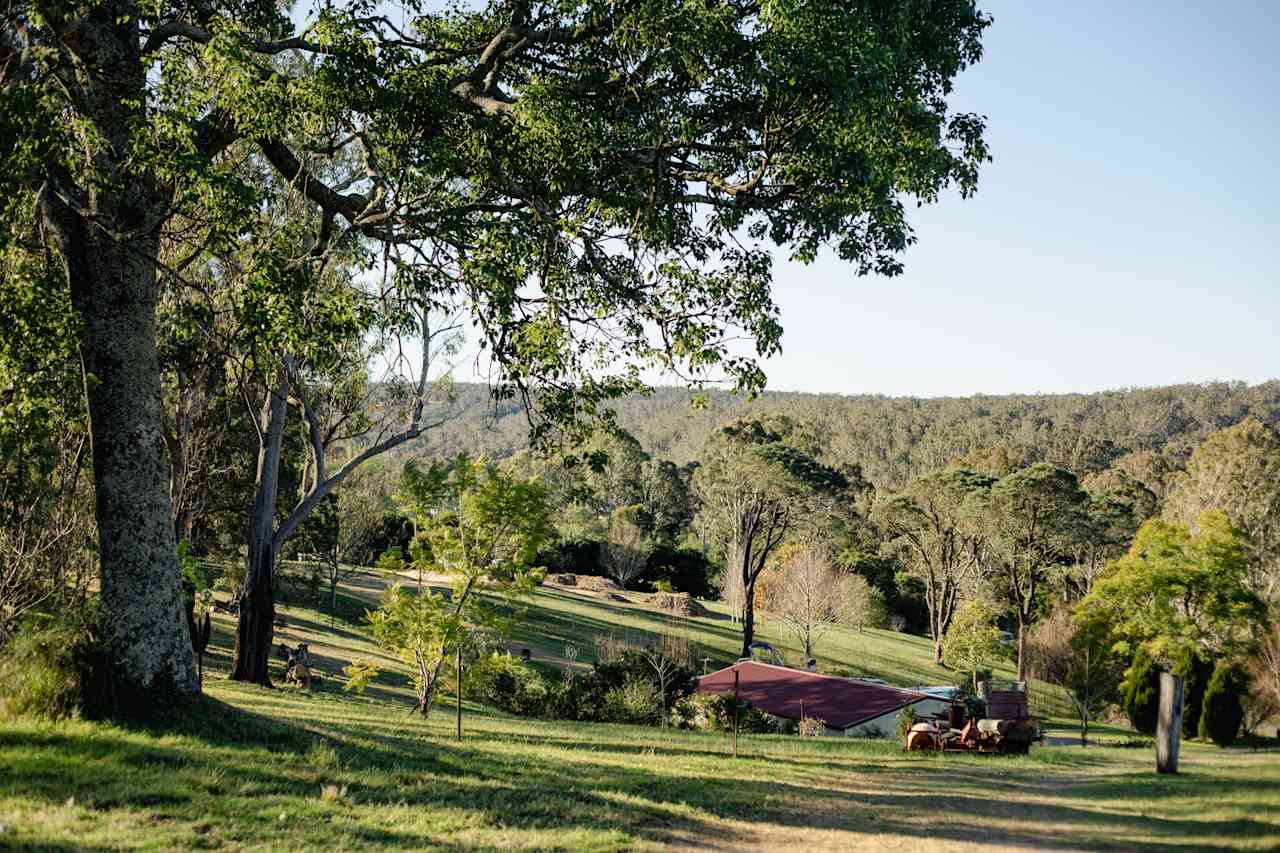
{"points": [[848, 706]]}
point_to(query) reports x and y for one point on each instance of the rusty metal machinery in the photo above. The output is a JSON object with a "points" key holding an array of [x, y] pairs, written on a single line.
{"points": [[1006, 728]]}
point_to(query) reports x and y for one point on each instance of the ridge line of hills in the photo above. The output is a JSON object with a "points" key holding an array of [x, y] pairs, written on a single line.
{"points": [[1148, 432]]}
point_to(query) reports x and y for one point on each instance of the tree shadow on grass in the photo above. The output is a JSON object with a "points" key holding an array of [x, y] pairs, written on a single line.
{"points": [[220, 757]]}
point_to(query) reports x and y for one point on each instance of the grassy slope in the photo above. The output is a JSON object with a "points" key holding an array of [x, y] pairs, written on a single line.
{"points": [[555, 617], [250, 769]]}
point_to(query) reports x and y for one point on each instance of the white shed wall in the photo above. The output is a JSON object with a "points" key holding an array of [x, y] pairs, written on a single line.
{"points": [[886, 725]]}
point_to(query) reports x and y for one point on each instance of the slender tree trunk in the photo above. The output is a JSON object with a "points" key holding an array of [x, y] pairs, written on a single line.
{"points": [[748, 616], [937, 649], [429, 695], [255, 631], [1022, 647]]}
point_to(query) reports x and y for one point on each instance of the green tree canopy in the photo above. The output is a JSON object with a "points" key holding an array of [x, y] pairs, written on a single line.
{"points": [[756, 490], [483, 528], [1237, 470], [1177, 593], [597, 182], [933, 525], [1032, 518], [973, 641]]}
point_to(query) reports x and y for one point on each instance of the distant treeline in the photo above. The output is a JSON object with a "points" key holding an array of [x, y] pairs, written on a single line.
{"points": [[1149, 432]]}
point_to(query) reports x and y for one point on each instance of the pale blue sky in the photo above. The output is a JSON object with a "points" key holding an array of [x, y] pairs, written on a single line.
{"points": [[1127, 232]]}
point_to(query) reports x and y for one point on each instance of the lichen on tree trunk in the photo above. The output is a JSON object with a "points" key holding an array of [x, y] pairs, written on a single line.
{"points": [[113, 290], [108, 236]]}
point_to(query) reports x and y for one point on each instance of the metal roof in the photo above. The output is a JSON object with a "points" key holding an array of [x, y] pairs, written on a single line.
{"points": [[783, 692]]}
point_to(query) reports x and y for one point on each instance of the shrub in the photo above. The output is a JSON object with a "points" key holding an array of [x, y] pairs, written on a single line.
{"points": [[1141, 700], [46, 668], [685, 569], [1223, 710], [359, 674], [567, 699], [632, 666], [662, 585], [812, 727], [502, 681], [906, 719], [715, 713], [392, 561], [576, 555], [635, 701], [1196, 672]]}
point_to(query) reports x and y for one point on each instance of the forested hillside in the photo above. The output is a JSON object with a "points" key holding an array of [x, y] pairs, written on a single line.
{"points": [[1148, 432]]}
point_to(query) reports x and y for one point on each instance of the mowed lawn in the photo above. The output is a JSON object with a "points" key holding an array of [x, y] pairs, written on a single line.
{"points": [[280, 770], [249, 768]]}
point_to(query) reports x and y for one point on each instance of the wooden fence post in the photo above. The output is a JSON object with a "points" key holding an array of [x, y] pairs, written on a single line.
{"points": [[735, 713], [1169, 723]]}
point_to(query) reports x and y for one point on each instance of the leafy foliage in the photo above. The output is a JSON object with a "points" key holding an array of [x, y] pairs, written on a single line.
{"points": [[932, 525], [1223, 709], [1196, 672], [973, 640], [1078, 656], [1176, 592], [484, 529], [1237, 471], [1141, 700]]}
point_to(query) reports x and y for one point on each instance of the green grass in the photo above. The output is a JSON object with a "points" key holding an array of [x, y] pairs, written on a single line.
{"points": [[554, 618], [249, 768], [283, 770]]}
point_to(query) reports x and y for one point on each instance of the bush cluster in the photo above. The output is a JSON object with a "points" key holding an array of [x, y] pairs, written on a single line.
{"points": [[675, 569], [712, 712], [47, 668], [623, 690], [1212, 696]]}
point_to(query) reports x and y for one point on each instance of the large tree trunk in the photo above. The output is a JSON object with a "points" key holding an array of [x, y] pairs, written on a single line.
{"points": [[109, 239], [255, 631], [113, 289]]}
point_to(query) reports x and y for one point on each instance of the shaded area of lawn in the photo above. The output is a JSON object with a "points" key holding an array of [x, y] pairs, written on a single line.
{"points": [[280, 770]]}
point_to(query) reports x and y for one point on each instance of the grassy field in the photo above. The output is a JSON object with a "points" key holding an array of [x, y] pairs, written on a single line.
{"points": [[249, 768], [556, 617]]}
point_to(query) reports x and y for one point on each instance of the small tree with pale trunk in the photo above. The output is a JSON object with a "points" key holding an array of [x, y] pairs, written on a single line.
{"points": [[484, 528], [626, 550], [973, 640], [809, 594], [1078, 657]]}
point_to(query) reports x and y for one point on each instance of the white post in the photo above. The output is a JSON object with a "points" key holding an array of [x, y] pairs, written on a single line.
{"points": [[1169, 723]]}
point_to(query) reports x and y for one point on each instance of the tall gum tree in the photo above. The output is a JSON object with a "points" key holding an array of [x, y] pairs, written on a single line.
{"points": [[1237, 470], [932, 524], [1032, 520], [597, 181], [756, 491]]}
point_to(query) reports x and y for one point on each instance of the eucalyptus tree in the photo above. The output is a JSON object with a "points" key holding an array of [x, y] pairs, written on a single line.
{"points": [[1032, 519], [933, 525], [757, 490], [1237, 470], [1117, 506], [597, 181]]}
